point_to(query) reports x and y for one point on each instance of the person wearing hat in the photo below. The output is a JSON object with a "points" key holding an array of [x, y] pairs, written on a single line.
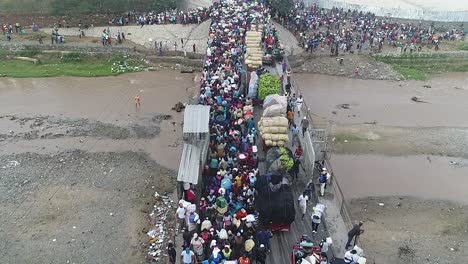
{"points": [[216, 257], [323, 179], [227, 252], [202, 205], [238, 244], [261, 254], [304, 125], [249, 245], [197, 245]]}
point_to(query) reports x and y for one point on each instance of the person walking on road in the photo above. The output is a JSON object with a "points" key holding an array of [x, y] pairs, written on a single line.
{"points": [[180, 215], [187, 256], [304, 125], [354, 233], [302, 200], [323, 181], [299, 102], [261, 254], [137, 101], [290, 116], [171, 253], [295, 134], [317, 214]]}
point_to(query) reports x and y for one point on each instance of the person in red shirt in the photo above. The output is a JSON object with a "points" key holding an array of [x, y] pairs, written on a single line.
{"points": [[298, 152], [244, 259]]}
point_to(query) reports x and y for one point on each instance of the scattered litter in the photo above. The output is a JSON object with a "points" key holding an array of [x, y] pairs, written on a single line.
{"points": [[427, 86], [417, 100], [13, 163], [178, 107], [343, 106], [159, 233], [381, 204], [453, 163]]}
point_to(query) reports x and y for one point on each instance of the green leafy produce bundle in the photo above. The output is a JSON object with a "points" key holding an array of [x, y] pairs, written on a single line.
{"points": [[286, 162], [268, 84]]}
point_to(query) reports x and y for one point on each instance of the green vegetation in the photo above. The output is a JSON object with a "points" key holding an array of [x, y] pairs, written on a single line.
{"points": [[341, 137], [68, 7], [421, 66], [464, 46], [286, 161], [268, 84], [69, 64]]}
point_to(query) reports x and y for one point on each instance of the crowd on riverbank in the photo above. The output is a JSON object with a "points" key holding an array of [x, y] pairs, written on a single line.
{"points": [[172, 16], [347, 31]]}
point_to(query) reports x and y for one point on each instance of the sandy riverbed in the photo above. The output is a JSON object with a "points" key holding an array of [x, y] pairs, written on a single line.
{"points": [[79, 164], [411, 157]]}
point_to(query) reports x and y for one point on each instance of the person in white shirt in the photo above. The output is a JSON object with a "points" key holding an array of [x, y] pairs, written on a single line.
{"points": [[302, 200], [351, 257], [317, 214], [187, 256], [299, 102], [180, 215]]}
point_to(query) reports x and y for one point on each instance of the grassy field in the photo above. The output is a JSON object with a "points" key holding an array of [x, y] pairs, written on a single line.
{"points": [[422, 66], [68, 64], [464, 46]]}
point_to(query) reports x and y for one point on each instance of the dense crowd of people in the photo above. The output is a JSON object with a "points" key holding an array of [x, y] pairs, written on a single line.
{"points": [[347, 31], [223, 225], [172, 16]]}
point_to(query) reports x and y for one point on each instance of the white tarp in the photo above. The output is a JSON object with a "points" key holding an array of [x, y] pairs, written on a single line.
{"points": [[253, 85]]}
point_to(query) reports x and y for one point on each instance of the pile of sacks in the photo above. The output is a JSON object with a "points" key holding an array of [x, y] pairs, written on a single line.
{"points": [[254, 54], [273, 125]]}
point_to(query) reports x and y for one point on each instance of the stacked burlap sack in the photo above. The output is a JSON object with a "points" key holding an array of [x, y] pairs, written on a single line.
{"points": [[254, 54], [274, 130]]}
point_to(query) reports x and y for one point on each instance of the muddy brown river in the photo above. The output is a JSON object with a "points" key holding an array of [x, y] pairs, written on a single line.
{"points": [[107, 99], [373, 165], [388, 102]]}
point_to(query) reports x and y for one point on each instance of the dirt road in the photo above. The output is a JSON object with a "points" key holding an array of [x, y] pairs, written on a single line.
{"points": [[79, 164]]}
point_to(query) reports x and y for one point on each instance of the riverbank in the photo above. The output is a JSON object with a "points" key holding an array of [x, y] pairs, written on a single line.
{"points": [[80, 164], [405, 229], [37, 63], [385, 147]]}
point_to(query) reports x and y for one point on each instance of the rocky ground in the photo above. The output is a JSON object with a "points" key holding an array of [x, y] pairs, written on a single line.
{"points": [[78, 207], [433, 231], [369, 68]]}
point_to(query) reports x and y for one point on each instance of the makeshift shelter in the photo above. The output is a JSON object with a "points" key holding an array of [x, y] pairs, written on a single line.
{"points": [[196, 131], [196, 138]]}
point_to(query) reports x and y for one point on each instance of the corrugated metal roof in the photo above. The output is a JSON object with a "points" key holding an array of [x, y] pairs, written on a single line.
{"points": [[189, 167], [196, 119]]}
